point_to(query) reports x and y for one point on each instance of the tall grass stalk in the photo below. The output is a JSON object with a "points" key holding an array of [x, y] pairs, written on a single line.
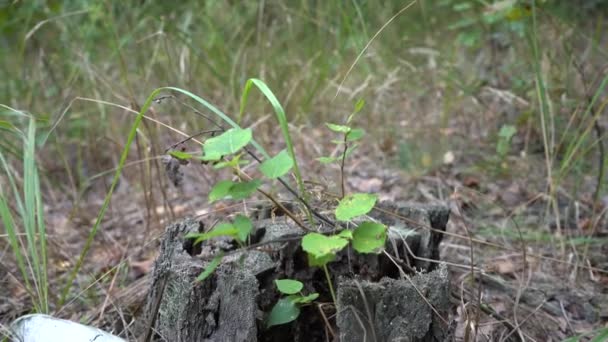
{"points": [[31, 254]]}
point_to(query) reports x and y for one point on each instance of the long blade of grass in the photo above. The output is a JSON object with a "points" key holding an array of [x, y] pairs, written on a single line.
{"points": [[11, 231], [573, 149], [44, 283], [29, 218], [281, 117]]}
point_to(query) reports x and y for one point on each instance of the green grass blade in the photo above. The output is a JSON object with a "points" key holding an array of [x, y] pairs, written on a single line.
{"points": [[281, 117], [29, 218], [11, 231], [573, 149], [44, 283]]}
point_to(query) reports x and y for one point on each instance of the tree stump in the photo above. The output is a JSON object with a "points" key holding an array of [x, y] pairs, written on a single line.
{"points": [[399, 295]]}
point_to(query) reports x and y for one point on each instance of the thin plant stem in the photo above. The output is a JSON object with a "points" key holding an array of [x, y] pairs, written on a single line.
{"points": [[342, 166], [331, 287]]}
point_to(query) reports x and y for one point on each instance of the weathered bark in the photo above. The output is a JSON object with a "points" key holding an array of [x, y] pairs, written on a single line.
{"points": [[233, 302]]}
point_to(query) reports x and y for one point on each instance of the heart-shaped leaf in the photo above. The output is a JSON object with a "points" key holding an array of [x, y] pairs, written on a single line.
{"points": [[369, 237], [355, 205], [284, 311], [289, 286], [243, 226], [277, 166], [321, 249], [227, 143], [243, 190], [355, 134], [220, 190]]}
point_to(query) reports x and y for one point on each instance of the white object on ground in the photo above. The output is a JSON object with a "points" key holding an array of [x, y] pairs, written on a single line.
{"points": [[44, 328]]}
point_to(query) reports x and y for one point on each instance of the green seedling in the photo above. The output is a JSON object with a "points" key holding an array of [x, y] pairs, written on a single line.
{"points": [[503, 146], [349, 135], [287, 309]]}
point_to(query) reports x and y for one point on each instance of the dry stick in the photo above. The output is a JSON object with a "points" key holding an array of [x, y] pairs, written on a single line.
{"points": [[488, 310], [472, 270], [491, 244], [368, 312], [524, 269], [356, 314], [155, 309], [190, 137], [597, 128], [327, 324], [516, 328]]}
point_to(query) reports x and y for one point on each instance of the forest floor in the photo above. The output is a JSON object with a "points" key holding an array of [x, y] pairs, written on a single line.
{"points": [[543, 280]]}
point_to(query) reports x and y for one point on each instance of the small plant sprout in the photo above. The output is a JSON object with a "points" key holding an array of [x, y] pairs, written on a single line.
{"points": [[368, 237], [287, 309], [349, 135], [503, 146]]}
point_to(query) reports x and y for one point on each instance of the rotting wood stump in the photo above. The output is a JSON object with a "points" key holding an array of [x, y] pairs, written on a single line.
{"points": [[400, 295]]}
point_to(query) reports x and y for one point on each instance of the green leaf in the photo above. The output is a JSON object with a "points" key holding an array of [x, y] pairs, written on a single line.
{"points": [[507, 131], [355, 205], [243, 190], [289, 286], [347, 234], [234, 162], [602, 335], [277, 166], [326, 160], [321, 249], [358, 106], [222, 229], [369, 237], [235, 191], [213, 264], [320, 245], [304, 299], [220, 190], [284, 311], [180, 155], [321, 260], [227, 143], [355, 134], [281, 117], [6, 125], [504, 139], [243, 226], [338, 128]]}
